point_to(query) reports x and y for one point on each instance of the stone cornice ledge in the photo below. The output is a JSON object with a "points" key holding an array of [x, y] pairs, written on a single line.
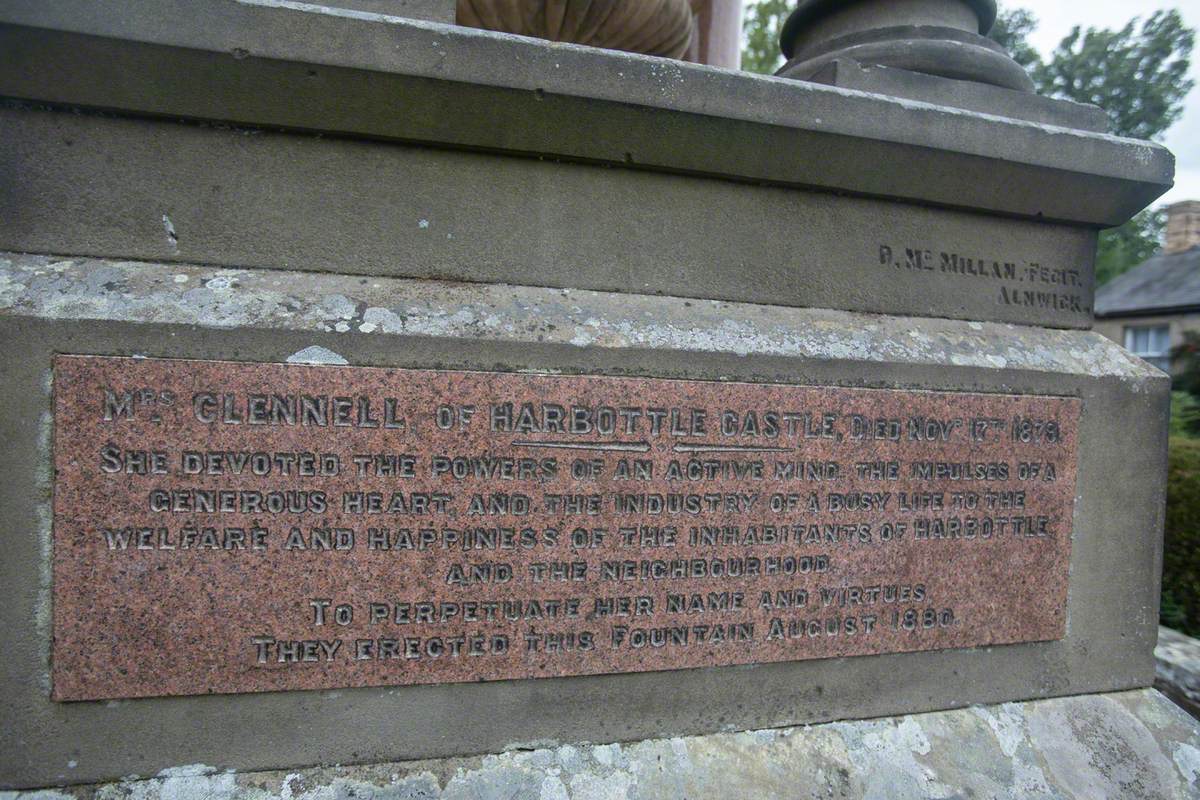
{"points": [[318, 304], [279, 64]]}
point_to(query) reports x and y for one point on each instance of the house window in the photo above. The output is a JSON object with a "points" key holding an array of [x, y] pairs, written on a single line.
{"points": [[1151, 342]]}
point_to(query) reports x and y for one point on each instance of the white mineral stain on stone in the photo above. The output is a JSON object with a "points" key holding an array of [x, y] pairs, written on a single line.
{"points": [[1069, 741], [384, 319], [553, 789], [338, 306], [569, 758], [680, 749], [607, 754], [767, 737], [1187, 760], [615, 786], [1005, 724], [10, 290], [220, 282], [172, 237], [316, 354], [189, 782], [285, 787], [884, 753], [913, 736], [541, 759], [40, 794], [181, 278]]}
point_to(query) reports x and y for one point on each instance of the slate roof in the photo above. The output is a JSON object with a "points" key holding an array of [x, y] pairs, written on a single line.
{"points": [[1161, 284]]}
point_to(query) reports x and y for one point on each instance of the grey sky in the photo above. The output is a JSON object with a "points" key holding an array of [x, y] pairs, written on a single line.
{"points": [[1056, 19]]}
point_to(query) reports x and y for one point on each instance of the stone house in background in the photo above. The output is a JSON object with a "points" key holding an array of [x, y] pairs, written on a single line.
{"points": [[1149, 308]]}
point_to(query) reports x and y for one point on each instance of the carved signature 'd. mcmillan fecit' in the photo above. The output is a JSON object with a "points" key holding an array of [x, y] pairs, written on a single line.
{"points": [[1027, 283]]}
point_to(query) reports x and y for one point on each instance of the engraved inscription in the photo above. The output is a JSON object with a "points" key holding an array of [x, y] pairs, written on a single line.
{"points": [[223, 527], [1014, 282]]}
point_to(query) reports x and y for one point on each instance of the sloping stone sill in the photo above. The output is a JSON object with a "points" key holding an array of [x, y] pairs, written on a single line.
{"points": [[1128, 745]]}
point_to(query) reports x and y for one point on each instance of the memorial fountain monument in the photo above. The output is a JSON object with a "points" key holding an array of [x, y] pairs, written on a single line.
{"points": [[381, 393]]}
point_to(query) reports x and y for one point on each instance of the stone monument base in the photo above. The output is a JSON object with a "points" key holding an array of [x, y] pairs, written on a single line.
{"points": [[153, 310], [1121, 745], [692, 401]]}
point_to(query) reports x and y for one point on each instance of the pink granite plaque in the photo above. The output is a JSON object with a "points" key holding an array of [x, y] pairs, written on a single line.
{"points": [[231, 527]]}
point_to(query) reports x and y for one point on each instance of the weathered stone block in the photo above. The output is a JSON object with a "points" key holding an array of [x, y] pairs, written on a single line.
{"points": [[1042, 750], [84, 306], [98, 185], [613, 226], [581, 167]]}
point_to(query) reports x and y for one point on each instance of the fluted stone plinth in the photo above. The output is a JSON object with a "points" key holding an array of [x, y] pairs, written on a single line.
{"points": [[653, 27]]}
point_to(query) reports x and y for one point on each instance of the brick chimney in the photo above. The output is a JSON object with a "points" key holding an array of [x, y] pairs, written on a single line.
{"points": [[1183, 226]]}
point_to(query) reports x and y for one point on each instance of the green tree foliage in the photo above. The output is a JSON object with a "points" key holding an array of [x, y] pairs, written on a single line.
{"points": [[1123, 248], [1181, 546], [1137, 74], [761, 28], [1185, 360], [1012, 31], [1185, 414]]}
